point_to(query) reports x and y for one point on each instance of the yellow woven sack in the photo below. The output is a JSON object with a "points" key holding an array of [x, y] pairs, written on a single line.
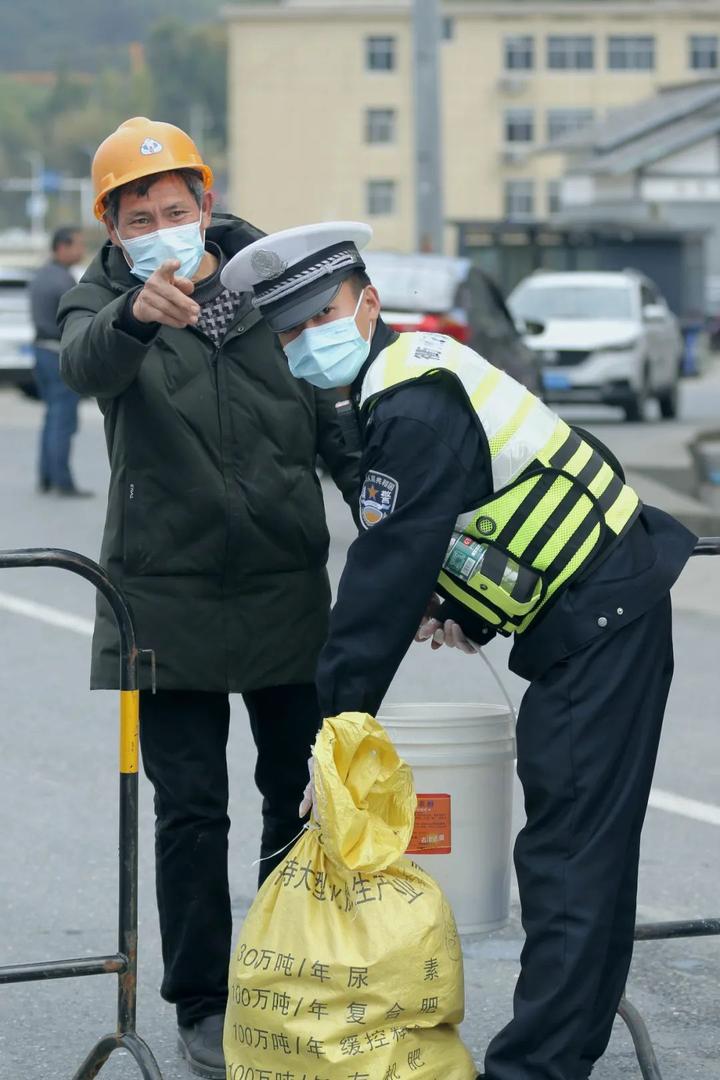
{"points": [[349, 964]]}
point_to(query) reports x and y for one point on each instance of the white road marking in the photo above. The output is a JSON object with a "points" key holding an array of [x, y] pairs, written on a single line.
{"points": [[43, 613], [688, 808], [707, 813]]}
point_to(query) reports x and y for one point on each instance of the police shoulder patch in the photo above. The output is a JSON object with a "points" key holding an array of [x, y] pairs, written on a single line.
{"points": [[377, 498]]}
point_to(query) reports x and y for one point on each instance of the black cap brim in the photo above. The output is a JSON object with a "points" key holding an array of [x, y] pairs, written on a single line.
{"points": [[298, 309]]}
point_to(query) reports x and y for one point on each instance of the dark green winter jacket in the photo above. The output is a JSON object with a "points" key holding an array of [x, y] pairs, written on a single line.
{"points": [[215, 526]]}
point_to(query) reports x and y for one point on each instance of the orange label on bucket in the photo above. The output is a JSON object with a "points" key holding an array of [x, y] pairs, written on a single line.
{"points": [[432, 831]]}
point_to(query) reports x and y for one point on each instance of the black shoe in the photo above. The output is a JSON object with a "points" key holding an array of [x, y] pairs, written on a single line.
{"points": [[73, 493], [201, 1046], [44, 486]]}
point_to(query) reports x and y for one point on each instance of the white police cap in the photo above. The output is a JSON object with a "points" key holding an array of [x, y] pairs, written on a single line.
{"points": [[295, 273]]}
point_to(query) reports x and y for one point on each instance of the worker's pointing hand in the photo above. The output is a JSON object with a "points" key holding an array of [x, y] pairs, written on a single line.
{"points": [[165, 298]]}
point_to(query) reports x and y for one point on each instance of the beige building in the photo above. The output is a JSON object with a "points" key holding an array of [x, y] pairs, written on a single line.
{"points": [[321, 100]]}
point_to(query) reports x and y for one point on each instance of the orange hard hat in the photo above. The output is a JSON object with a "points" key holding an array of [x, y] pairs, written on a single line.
{"points": [[141, 147]]}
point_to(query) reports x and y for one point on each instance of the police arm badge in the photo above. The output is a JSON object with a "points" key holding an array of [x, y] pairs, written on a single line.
{"points": [[377, 498]]}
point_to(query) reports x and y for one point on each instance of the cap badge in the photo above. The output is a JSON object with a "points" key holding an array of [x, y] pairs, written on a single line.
{"points": [[150, 146], [267, 264]]}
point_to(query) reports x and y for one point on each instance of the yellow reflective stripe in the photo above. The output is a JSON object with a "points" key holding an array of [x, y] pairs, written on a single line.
{"points": [[622, 510], [396, 361], [485, 388], [468, 600], [559, 436], [506, 432], [580, 556], [529, 529], [563, 534], [501, 510], [129, 730], [601, 481], [579, 459], [583, 552]]}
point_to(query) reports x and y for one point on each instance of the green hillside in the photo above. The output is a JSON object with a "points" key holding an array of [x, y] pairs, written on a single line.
{"points": [[84, 35]]}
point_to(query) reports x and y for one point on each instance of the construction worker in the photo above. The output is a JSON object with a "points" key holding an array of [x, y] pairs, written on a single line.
{"points": [[475, 493], [215, 531]]}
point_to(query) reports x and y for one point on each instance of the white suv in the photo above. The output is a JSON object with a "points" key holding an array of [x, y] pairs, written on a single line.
{"points": [[605, 337]]}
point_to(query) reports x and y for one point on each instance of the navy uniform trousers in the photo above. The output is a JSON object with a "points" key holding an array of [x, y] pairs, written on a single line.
{"points": [[587, 740], [183, 738]]}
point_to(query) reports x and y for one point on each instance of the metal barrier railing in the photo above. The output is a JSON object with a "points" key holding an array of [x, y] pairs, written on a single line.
{"points": [[663, 931], [123, 963]]}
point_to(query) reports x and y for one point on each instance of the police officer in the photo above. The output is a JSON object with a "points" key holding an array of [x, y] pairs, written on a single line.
{"points": [[476, 491]]}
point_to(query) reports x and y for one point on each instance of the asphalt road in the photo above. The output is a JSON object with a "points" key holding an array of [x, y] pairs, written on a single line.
{"points": [[58, 780]]}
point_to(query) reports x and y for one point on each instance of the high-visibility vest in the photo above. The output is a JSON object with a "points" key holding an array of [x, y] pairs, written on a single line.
{"points": [[555, 504]]}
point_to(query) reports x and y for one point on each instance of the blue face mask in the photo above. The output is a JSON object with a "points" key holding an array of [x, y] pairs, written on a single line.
{"points": [[182, 242], [331, 354]]}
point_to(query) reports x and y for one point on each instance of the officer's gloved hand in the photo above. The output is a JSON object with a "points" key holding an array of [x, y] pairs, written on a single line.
{"points": [[443, 631], [454, 638], [308, 799], [430, 624]]}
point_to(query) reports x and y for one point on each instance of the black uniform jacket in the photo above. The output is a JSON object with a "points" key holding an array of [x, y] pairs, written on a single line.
{"points": [[424, 445]]}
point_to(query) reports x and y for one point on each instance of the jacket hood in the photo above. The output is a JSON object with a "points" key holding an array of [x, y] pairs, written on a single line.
{"points": [[110, 269]]}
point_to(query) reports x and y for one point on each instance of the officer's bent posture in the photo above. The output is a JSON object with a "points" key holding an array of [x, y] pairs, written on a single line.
{"points": [[475, 490]]}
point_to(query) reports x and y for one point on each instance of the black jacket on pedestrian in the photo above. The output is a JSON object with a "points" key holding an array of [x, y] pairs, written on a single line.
{"points": [[215, 526]]}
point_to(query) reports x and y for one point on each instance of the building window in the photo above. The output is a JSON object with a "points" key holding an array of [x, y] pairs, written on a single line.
{"points": [[631, 53], [519, 199], [381, 197], [561, 122], [448, 28], [519, 126], [380, 126], [380, 53], [519, 52], [574, 52], [703, 50], [553, 196]]}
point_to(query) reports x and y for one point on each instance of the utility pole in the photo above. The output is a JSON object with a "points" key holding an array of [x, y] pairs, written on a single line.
{"points": [[37, 200], [197, 125], [429, 216]]}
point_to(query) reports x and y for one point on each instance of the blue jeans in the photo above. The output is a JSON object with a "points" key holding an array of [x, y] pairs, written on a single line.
{"points": [[60, 424]]}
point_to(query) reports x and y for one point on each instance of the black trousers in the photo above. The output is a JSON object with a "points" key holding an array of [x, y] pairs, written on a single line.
{"points": [[183, 737], [587, 740]]}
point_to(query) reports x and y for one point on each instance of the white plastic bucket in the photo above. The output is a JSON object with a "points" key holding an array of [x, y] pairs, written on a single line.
{"points": [[466, 751]]}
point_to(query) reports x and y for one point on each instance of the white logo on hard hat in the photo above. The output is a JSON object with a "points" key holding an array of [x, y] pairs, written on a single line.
{"points": [[151, 146]]}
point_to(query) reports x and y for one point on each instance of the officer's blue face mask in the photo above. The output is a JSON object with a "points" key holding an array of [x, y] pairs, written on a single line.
{"points": [[331, 354], [182, 242]]}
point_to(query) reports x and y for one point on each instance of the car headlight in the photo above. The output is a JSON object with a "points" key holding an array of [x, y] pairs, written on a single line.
{"points": [[620, 346]]}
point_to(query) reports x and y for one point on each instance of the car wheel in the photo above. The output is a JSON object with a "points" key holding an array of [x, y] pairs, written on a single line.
{"points": [[668, 402], [634, 407]]}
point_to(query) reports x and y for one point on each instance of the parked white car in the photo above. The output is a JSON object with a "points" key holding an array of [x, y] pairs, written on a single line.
{"points": [[601, 337], [16, 329]]}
